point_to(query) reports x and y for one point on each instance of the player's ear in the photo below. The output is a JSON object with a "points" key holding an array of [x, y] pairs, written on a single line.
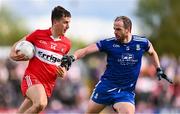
{"points": [[54, 22], [129, 29]]}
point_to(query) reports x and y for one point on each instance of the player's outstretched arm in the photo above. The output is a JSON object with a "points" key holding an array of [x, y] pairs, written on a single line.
{"points": [[66, 61], [85, 51], [159, 70]]}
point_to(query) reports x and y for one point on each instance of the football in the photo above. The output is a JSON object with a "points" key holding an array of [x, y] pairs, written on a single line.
{"points": [[26, 47]]}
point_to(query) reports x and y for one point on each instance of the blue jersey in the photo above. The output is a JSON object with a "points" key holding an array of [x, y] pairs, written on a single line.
{"points": [[123, 61]]}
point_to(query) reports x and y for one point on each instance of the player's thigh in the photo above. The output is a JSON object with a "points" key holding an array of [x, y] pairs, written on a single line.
{"points": [[94, 107], [27, 103], [124, 108], [37, 94]]}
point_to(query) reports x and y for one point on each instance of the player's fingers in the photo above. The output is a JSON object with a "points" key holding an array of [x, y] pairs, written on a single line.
{"points": [[60, 71], [20, 57], [159, 77], [169, 80], [64, 72], [166, 78], [16, 54], [60, 68], [59, 74]]}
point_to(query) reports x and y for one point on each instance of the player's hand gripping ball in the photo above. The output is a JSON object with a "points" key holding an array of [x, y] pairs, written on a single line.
{"points": [[26, 48]]}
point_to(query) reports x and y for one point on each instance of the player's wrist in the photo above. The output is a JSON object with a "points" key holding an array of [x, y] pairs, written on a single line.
{"points": [[73, 58], [158, 69]]}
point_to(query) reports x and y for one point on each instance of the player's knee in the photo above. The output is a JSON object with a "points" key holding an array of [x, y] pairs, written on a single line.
{"points": [[121, 110], [125, 111], [40, 105]]}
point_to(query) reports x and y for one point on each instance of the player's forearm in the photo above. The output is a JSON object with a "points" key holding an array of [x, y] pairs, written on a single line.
{"points": [[159, 71], [85, 51], [80, 53], [155, 59]]}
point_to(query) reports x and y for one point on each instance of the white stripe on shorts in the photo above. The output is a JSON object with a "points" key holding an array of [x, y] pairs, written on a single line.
{"points": [[28, 80], [111, 89]]}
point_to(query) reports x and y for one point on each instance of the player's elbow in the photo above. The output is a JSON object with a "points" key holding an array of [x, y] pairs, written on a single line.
{"points": [[151, 52]]}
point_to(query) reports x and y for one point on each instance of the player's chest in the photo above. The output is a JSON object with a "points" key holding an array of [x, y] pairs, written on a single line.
{"points": [[51, 45], [134, 50], [126, 55], [116, 48]]}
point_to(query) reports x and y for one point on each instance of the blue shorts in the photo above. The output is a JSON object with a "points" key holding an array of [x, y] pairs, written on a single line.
{"points": [[109, 95]]}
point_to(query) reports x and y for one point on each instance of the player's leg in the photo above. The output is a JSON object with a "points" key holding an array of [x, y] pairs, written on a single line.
{"points": [[99, 98], [26, 104], [124, 101], [124, 108], [94, 108], [38, 97]]}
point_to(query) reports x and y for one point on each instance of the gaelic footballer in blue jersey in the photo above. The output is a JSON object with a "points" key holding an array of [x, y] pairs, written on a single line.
{"points": [[124, 54]]}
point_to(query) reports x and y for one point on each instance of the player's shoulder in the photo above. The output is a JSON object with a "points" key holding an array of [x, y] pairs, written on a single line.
{"points": [[66, 39], [138, 38], [34, 33], [43, 31], [109, 39]]}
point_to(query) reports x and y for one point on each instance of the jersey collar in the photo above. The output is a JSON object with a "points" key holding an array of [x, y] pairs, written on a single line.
{"points": [[52, 37]]}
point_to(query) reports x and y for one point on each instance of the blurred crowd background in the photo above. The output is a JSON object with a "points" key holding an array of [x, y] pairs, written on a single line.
{"points": [[71, 94], [159, 20]]}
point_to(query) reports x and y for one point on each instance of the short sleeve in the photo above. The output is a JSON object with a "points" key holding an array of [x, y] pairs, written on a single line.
{"points": [[147, 45], [31, 37], [101, 45]]}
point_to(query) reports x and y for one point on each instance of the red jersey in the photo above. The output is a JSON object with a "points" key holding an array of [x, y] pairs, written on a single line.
{"points": [[49, 52]]}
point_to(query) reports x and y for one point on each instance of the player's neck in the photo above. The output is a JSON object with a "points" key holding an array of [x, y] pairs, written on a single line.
{"points": [[127, 39], [54, 34]]}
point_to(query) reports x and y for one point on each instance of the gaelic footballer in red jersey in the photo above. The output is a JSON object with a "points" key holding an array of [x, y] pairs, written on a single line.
{"points": [[49, 52], [43, 69]]}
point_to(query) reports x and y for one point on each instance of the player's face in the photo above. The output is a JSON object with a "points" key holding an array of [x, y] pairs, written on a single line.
{"points": [[61, 25], [120, 32]]}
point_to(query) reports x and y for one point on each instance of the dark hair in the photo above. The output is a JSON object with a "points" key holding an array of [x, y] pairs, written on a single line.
{"points": [[58, 12], [127, 22]]}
